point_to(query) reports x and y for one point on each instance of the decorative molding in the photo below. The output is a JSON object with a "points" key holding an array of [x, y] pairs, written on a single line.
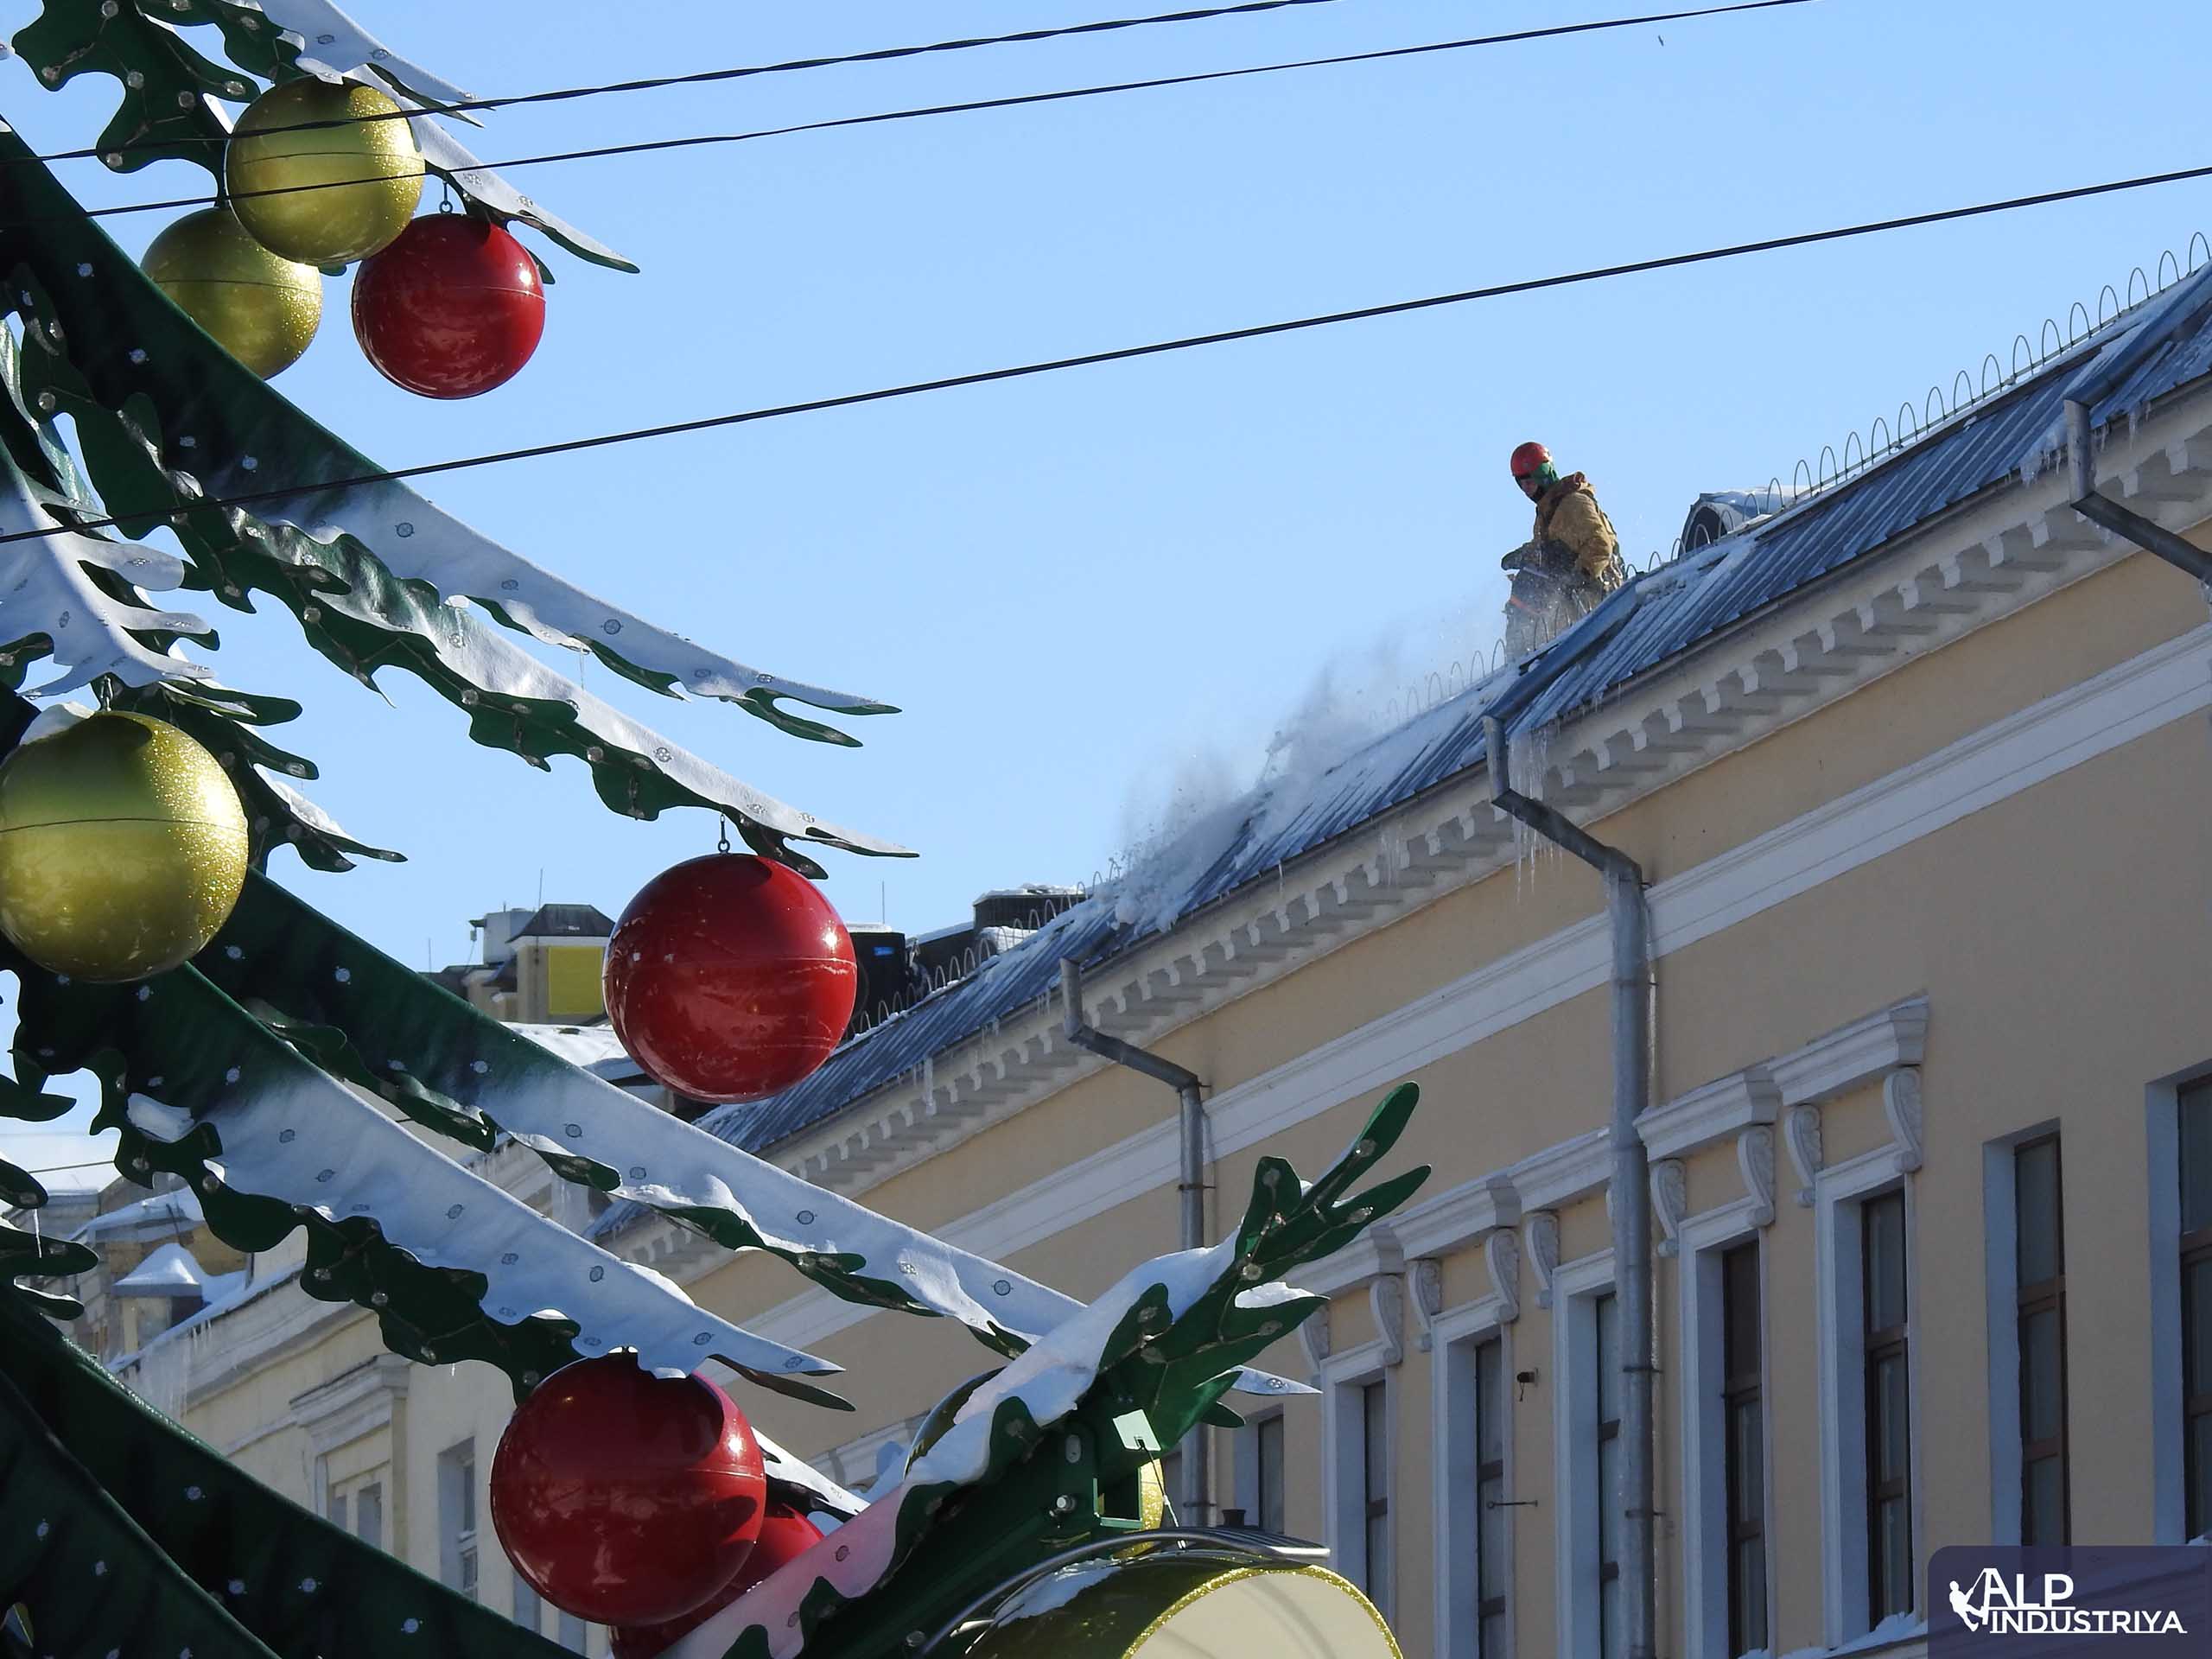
{"points": [[1457, 1217], [1857, 1053], [1901, 1101], [2168, 682], [355, 1402], [1755, 1158], [1671, 1198], [1709, 1115], [1374, 1254], [1561, 1174], [1386, 1299], [1428, 1299], [1313, 1338], [1542, 1231], [1803, 1127], [1502, 1255]]}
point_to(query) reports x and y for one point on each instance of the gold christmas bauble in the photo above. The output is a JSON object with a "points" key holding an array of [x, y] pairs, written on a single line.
{"points": [[260, 307], [343, 192], [122, 848]]}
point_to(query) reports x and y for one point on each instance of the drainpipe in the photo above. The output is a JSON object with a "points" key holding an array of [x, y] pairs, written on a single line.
{"points": [[1633, 992], [2103, 509], [1194, 1501]]}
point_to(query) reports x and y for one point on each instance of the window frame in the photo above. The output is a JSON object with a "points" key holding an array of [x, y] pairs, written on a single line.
{"points": [[1840, 1190], [1741, 1386], [2161, 1100], [1703, 1241], [2193, 1249], [1574, 1454], [1251, 1470], [1455, 1489], [2031, 1301], [460, 1559], [1341, 1379], [1880, 1346]]}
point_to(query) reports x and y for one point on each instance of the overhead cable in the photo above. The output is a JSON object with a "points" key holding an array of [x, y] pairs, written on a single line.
{"points": [[1547, 32], [1187, 342], [705, 77]]}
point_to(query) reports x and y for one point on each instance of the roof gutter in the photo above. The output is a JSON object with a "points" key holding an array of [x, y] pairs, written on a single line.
{"points": [[2099, 509], [1193, 1501], [1633, 990]]}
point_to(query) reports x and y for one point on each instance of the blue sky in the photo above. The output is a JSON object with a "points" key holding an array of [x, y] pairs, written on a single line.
{"points": [[1098, 593]]}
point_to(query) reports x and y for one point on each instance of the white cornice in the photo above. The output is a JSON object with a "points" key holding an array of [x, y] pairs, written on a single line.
{"points": [[1373, 1254], [1864, 1052], [1458, 1216], [1560, 1175], [354, 1403], [1710, 1114]]}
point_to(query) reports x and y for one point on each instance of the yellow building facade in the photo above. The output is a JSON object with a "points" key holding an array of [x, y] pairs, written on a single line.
{"points": [[1925, 840]]}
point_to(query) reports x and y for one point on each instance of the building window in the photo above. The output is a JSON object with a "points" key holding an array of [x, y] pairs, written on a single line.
{"points": [[2196, 1126], [1374, 1487], [2040, 1276], [573, 1632], [1604, 1314], [1490, 1513], [457, 1516], [1743, 1447], [1267, 1474], [527, 1605], [368, 1514], [338, 1511], [1889, 1434]]}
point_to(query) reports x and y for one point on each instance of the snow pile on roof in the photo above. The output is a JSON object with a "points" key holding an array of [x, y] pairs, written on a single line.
{"points": [[170, 1271], [596, 1049], [150, 1217]]}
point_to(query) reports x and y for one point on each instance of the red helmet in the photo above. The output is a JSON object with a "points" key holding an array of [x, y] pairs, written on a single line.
{"points": [[1529, 457]]}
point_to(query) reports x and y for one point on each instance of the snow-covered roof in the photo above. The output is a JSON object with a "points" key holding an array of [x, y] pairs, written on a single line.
{"points": [[149, 1218], [595, 1048], [1323, 790], [171, 1270]]}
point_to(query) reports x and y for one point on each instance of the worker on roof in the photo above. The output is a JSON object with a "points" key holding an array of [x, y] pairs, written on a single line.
{"points": [[1572, 562]]}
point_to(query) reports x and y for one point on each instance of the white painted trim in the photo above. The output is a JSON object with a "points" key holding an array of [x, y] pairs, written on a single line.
{"points": [[1704, 1428], [1245, 1443], [1861, 1052], [1713, 1113], [1839, 1298], [1344, 1502], [1557, 1175], [2027, 747], [1574, 1454], [1374, 1254], [1454, 1487], [1458, 1217]]}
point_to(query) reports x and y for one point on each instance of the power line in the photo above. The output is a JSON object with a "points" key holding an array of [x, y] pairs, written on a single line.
{"points": [[1526, 285], [704, 77], [1547, 32]]}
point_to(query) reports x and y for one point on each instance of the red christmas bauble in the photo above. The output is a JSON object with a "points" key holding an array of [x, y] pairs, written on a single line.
{"points": [[730, 977], [786, 1534], [451, 309], [626, 1498]]}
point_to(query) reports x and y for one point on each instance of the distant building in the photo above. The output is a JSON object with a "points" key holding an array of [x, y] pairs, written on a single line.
{"points": [[538, 967]]}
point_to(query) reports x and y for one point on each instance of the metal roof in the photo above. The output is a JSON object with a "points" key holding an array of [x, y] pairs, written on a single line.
{"points": [[2160, 346]]}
